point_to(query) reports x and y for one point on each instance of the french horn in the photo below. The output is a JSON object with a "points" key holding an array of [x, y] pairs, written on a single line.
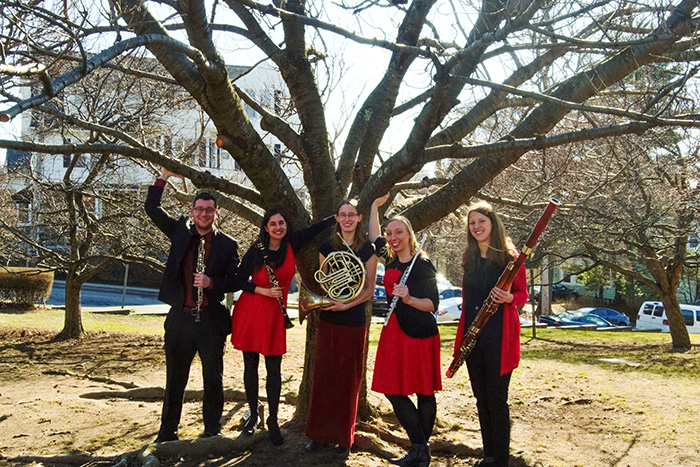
{"points": [[341, 276]]}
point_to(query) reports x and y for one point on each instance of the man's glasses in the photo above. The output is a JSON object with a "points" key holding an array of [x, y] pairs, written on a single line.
{"points": [[200, 210], [349, 215]]}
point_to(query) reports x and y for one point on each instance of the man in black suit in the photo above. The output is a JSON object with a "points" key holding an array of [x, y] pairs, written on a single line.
{"points": [[189, 328]]}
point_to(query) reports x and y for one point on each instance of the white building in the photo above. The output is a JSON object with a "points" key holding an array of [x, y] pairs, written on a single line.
{"points": [[183, 131]]}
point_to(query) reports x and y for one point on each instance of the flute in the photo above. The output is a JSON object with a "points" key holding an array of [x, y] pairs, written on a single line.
{"points": [[489, 307]]}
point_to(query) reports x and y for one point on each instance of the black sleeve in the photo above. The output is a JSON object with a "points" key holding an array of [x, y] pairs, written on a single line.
{"points": [[381, 248], [160, 218], [245, 270], [298, 238], [428, 285]]}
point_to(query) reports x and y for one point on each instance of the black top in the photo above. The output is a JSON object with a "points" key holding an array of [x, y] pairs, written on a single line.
{"points": [[253, 256], [476, 286], [354, 316], [422, 283]]}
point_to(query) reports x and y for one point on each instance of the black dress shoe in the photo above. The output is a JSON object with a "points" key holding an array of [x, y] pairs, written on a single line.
{"points": [[313, 446], [209, 434], [274, 432], [252, 425], [341, 453], [163, 439]]}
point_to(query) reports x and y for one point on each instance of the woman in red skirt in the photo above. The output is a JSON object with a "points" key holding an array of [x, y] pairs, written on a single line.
{"points": [[258, 322], [340, 344], [408, 354]]}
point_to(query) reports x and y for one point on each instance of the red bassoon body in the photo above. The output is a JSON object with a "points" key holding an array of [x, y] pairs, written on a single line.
{"points": [[489, 307]]}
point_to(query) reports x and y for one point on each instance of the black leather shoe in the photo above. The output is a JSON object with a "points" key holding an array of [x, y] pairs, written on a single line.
{"points": [[341, 453], [274, 432], [252, 425], [417, 456], [313, 446], [163, 439], [209, 434]]}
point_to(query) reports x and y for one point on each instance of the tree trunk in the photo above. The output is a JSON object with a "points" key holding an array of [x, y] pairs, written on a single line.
{"points": [[308, 374], [73, 324], [679, 332], [365, 410]]}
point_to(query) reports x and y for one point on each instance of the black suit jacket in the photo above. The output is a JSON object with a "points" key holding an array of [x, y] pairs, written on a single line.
{"points": [[221, 266]]}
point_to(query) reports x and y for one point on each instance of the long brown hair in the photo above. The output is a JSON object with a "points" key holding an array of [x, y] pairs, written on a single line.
{"points": [[501, 248], [360, 236]]}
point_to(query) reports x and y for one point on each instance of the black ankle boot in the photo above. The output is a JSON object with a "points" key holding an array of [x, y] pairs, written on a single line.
{"points": [[417, 456]]}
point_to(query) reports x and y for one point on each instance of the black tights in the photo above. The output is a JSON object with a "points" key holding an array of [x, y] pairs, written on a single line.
{"points": [[418, 422], [273, 385]]}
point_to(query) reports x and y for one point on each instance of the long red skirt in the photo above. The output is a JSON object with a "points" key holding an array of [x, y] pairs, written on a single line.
{"points": [[406, 365], [338, 370]]}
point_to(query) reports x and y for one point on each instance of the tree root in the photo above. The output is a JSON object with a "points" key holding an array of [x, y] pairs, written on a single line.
{"points": [[71, 459], [200, 448], [157, 394], [97, 379], [377, 440]]}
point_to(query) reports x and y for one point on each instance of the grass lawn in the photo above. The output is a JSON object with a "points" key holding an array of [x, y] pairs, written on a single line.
{"points": [[652, 351]]}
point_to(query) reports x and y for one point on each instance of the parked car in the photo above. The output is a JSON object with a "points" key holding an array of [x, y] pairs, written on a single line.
{"points": [[380, 307], [449, 310], [652, 316], [560, 292], [574, 318], [615, 317], [450, 292]]}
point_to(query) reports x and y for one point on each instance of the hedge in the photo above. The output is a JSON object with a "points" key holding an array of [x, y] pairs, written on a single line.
{"points": [[24, 286]]}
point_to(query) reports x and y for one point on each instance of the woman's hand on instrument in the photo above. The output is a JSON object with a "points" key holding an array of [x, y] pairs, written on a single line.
{"points": [[336, 306], [501, 296], [401, 291], [274, 292]]}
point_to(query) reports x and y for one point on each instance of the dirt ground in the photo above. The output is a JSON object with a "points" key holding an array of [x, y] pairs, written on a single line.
{"points": [[65, 403]]}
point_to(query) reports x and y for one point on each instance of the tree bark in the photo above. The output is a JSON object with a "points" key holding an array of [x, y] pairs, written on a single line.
{"points": [[73, 323], [679, 333]]}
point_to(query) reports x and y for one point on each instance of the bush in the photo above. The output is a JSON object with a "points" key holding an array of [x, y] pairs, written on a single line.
{"points": [[24, 286]]}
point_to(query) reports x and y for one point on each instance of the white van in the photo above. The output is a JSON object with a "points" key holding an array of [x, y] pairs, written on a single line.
{"points": [[652, 316]]}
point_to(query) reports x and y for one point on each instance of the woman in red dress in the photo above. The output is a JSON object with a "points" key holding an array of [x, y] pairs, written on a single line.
{"points": [[408, 353], [340, 344], [258, 322]]}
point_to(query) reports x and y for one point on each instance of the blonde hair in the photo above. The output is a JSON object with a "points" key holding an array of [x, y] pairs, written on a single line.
{"points": [[501, 248], [412, 242]]}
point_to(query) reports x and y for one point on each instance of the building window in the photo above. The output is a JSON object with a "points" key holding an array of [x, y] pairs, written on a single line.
{"points": [[82, 160], [278, 152], [278, 102], [24, 213], [214, 155]]}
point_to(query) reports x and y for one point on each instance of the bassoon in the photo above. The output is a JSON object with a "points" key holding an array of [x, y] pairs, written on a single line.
{"points": [[489, 307]]}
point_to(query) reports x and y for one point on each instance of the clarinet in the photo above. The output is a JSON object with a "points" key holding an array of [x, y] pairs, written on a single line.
{"points": [[273, 281], [404, 278], [200, 270], [489, 307]]}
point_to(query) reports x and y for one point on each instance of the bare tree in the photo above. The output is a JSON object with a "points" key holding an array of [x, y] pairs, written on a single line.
{"points": [[483, 83]]}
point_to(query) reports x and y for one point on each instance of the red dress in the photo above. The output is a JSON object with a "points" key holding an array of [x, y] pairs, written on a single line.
{"points": [[258, 323], [409, 365]]}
